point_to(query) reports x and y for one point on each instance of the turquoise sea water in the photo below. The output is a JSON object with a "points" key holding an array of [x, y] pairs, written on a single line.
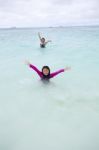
{"points": [[62, 115]]}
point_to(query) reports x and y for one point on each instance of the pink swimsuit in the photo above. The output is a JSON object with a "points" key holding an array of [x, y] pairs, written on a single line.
{"points": [[41, 74]]}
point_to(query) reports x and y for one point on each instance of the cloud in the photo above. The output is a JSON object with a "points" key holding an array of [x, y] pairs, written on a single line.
{"points": [[48, 12]]}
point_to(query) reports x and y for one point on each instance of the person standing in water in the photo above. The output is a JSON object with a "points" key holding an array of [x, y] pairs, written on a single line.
{"points": [[45, 73], [43, 42]]}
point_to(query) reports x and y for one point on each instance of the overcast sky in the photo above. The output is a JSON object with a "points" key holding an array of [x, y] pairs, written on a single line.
{"points": [[35, 13]]}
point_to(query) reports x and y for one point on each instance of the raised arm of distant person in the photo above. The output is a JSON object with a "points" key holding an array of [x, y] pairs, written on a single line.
{"points": [[48, 41], [39, 36]]}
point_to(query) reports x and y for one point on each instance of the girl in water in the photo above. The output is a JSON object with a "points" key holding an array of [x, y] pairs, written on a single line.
{"points": [[43, 42], [45, 74]]}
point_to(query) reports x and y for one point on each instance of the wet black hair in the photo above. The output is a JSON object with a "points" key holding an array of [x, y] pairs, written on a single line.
{"points": [[46, 76], [42, 38]]}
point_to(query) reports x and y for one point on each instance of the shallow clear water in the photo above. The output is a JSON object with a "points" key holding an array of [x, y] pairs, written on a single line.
{"points": [[61, 115]]}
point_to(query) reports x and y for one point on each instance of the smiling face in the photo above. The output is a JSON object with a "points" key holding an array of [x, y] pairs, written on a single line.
{"points": [[46, 71]]}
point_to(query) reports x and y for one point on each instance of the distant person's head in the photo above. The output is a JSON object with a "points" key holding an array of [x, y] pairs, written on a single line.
{"points": [[46, 72], [43, 40]]}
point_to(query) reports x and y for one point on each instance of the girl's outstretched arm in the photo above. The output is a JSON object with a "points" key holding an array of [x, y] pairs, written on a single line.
{"points": [[59, 71], [34, 68]]}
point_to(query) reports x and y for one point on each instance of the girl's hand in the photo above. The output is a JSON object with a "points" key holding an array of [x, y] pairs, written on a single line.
{"points": [[27, 62], [67, 68]]}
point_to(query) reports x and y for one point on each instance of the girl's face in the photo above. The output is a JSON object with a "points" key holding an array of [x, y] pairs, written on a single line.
{"points": [[45, 71]]}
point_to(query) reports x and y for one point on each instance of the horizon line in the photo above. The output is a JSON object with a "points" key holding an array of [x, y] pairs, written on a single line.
{"points": [[60, 26]]}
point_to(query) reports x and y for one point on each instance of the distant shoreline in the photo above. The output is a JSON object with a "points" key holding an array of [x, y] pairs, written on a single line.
{"points": [[14, 28]]}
